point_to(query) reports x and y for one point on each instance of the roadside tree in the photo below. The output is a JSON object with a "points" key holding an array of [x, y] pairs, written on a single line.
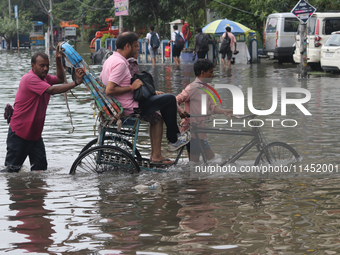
{"points": [[8, 28]]}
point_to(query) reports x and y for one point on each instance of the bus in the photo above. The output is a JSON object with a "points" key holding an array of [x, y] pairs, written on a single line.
{"points": [[37, 37]]}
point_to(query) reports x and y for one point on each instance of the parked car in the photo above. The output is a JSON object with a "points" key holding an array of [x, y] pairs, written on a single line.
{"points": [[279, 36], [330, 53], [319, 28]]}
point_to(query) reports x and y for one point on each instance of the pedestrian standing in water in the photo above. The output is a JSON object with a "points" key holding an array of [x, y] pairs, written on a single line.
{"points": [[186, 32], [178, 40], [201, 46], [30, 105], [152, 38], [228, 36]]}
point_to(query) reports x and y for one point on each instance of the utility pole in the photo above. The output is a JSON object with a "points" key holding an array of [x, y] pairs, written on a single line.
{"points": [[120, 24], [9, 9], [303, 11], [47, 38], [16, 16], [51, 21], [303, 49]]}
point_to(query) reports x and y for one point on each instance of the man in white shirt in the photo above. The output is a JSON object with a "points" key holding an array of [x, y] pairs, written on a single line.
{"points": [[152, 48], [178, 46]]}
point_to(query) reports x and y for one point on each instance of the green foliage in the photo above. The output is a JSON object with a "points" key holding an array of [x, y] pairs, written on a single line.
{"points": [[8, 27], [95, 12], [144, 13], [31, 9], [67, 11], [103, 39], [194, 13]]}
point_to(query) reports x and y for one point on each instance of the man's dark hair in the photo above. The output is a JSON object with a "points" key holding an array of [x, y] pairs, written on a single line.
{"points": [[202, 65], [228, 29], [152, 28], [126, 38], [198, 30], [175, 27], [41, 54], [183, 19]]}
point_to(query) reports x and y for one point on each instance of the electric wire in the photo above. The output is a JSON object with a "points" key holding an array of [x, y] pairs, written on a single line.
{"points": [[232, 7]]}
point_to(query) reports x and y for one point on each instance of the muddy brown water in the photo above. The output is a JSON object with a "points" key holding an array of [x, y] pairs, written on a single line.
{"points": [[297, 213]]}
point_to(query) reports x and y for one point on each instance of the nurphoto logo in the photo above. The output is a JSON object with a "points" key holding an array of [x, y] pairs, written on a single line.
{"points": [[239, 102]]}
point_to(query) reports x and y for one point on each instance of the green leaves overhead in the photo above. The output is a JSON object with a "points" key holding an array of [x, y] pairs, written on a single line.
{"points": [[8, 27]]}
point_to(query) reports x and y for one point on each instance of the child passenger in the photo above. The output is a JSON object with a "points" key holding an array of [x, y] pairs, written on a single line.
{"points": [[191, 96]]}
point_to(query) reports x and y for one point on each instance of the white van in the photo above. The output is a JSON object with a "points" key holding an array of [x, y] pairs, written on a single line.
{"points": [[319, 28], [279, 36]]}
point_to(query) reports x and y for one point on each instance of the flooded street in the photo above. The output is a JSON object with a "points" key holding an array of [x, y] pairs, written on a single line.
{"points": [[299, 213]]}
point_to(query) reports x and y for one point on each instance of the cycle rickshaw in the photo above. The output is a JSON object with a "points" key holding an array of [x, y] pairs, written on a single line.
{"points": [[115, 148]]}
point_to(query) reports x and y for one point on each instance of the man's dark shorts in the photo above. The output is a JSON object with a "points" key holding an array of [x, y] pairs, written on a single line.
{"points": [[176, 51], [18, 149], [229, 54]]}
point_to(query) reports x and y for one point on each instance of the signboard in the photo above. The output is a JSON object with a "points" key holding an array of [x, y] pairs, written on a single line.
{"points": [[122, 7], [15, 11], [70, 31], [303, 11]]}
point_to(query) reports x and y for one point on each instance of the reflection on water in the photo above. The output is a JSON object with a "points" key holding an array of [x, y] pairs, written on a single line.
{"points": [[31, 218], [54, 213]]}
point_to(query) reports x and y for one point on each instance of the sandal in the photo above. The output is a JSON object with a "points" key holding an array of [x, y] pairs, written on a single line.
{"points": [[162, 162]]}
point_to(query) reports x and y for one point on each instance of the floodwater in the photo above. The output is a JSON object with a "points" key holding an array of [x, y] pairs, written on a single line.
{"points": [[296, 213]]}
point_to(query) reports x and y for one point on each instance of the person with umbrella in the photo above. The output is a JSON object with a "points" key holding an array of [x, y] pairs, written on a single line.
{"points": [[218, 27]]}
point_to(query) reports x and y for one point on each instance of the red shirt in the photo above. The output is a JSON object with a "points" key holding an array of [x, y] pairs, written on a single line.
{"points": [[185, 31], [30, 106]]}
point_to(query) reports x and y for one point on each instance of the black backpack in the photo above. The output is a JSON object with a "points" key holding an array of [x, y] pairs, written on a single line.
{"points": [[154, 42], [203, 42], [225, 46], [179, 41], [147, 89]]}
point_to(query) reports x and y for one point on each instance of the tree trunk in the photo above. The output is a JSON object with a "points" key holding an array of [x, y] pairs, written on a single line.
{"points": [[156, 20], [194, 24], [205, 11], [8, 42], [157, 24]]}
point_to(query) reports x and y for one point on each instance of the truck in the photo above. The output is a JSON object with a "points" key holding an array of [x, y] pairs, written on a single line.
{"points": [[24, 41], [69, 34]]}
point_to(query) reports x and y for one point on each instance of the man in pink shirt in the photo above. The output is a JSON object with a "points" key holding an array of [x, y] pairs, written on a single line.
{"points": [[117, 78], [191, 96], [27, 123], [229, 53]]}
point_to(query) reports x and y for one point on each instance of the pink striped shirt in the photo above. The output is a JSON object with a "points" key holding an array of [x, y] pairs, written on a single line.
{"points": [[191, 97]]}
